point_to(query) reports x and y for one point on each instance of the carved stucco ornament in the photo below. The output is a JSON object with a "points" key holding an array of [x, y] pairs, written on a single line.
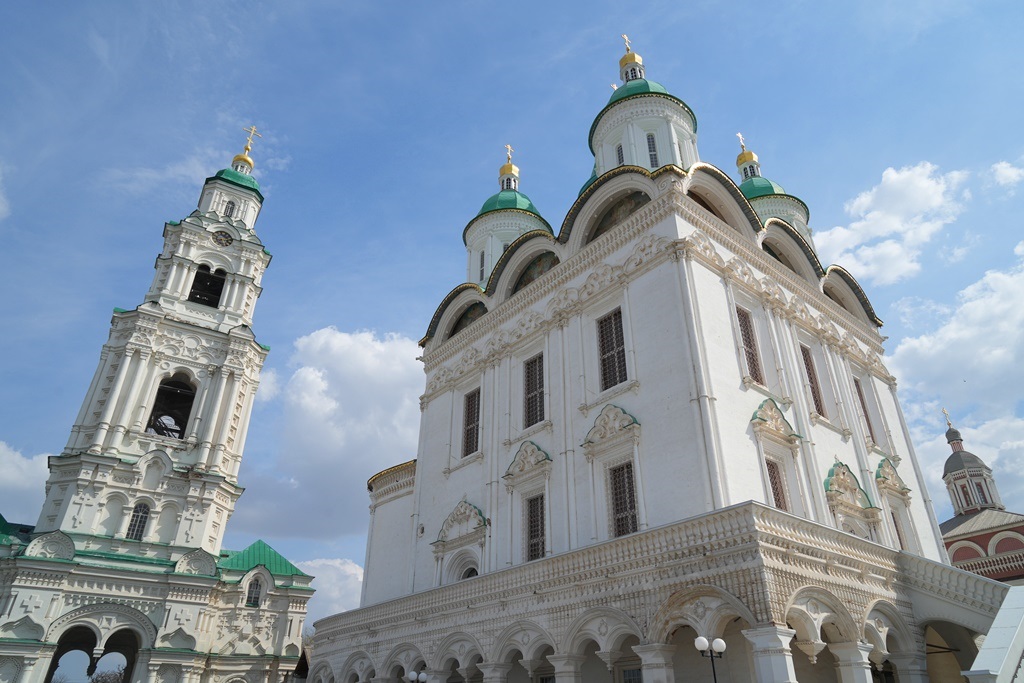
{"points": [[768, 418], [530, 463], [54, 546], [197, 562]]}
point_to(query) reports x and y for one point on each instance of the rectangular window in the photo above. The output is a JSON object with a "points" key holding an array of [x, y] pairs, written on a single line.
{"points": [[775, 481], [535, 528], [982, 498], [482, 256], [749, 345], [613, 349], [864, 408], [899, 530], [623, 499], [632, 676], [533, 391], [471, 423], [652, 150], [967, 495], [812, 380], [618, 155]]}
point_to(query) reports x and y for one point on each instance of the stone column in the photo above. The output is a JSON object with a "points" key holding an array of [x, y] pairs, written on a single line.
{"points": [[772, 658], [912, 668], [853, 663], [496, 672], [567, 668], [656, 662]]}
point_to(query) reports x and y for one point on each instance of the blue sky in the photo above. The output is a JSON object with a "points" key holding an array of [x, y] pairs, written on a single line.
{"points": [[384, 126]]}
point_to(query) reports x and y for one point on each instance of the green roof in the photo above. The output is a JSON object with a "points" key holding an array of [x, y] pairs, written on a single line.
{"points": [[240, 179], [636, 87], [259, 553], [508, 199], [760, 187], [590, 181]]}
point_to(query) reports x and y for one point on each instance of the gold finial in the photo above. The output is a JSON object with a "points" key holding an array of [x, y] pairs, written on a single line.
{"points": [[508, 153], [625, 38], [508, 168], [251, 130], [745, 155], [615, 86], [946, 413], [742, 146]]}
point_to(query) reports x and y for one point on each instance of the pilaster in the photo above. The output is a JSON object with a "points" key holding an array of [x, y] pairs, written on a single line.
{"points": [[770, 653], [656, 662], [853, 663], [567, 668]]}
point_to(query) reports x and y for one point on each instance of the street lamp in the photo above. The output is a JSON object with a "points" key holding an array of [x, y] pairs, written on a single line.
{"points": [[413, 677], [717, 649]]}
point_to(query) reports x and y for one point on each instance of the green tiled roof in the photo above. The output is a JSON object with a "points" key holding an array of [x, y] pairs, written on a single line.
{"points": [[759, 187], [240, 179], [259, 553], [636, 87], [508, 199]]}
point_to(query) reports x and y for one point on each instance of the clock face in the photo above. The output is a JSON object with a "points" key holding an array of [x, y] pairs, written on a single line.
{"points": [[222, 238]]}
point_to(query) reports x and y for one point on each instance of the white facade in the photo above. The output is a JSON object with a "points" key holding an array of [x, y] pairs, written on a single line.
{"points": [[126, 556], [658, 475]]}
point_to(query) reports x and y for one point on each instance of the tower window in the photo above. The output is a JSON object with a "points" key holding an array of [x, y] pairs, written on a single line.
{"points": [[535, 528], [777, 485], [746, 325], [207, 287], [746, 173], [482, 257], [623, 499], [229, 210], [967, 495], [619, 156], [252, 597], [632, 73], [172, 407], [471, 423], [812, 380], [137, 524], [652, 150], [533, 391], [864, 408], [899, 530], [982, 498], [613, 349]]}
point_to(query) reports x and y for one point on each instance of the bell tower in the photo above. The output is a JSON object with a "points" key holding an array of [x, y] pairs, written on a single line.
{"points": [[152, 462]]}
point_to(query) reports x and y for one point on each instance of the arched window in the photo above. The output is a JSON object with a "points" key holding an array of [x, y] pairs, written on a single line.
{"points": [[207, 286], [229, 210], [470, 573], [746, 173], [632, 73], [252, 598], [619, 156], [652, 150], [137, 525], [172, 407], [508, 184]]}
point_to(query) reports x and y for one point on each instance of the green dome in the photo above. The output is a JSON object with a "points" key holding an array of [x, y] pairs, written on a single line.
{"points": [[636, 86], [760, 187], [590, 181], [509, 199], [233, 176]]}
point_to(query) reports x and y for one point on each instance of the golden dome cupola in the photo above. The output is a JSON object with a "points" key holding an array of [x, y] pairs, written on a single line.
{"points": [[508, 174], [631, 65]]}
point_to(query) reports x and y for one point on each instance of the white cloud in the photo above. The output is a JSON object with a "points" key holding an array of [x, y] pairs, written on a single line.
{"points": [[893, 221], [916, 312], [270, 385], [5, 205], [351, 409], [21, 487], [182, 172], [338, 585], [1006, 174]]}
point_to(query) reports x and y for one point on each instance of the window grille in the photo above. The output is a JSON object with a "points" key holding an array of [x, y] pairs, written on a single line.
{"points": [[471, 423], [899, 530], [746, 173], [612, 345], [982, 498], [623, 499], [812, 380], [632, 676], [652, 150], [470, 573], [482, 257], [533, 391], [252, 598], [545, 679], [749, 345], [535, 528], [137, 525], [778, 488], [207, 287], [619, 156], [864, 408], [229, 209]]}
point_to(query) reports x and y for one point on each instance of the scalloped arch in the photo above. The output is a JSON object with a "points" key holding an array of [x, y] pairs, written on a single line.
{"points": [[526, 636], [516, 258], [786, 241], [900, 630], [351, 665], [447, 302], [404, 655], [606, 626], [711, 182], [601, 194], [673, 612], [804, 611], [448, 649], [120, 617], [840, 278]]}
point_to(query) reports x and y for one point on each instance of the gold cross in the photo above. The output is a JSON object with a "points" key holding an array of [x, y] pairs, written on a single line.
{"points": [[626, 38], [251, 130], [742, 146], [946, 413], [508, 153]]}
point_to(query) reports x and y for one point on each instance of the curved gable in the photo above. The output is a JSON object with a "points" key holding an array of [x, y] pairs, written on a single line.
{"points": [[842, 288], [784, 243], [714, 191], [517, 259], [601, 194], [466, 294]]}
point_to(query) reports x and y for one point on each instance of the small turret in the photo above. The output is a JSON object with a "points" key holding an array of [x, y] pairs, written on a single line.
{"points": [[969, 481]]}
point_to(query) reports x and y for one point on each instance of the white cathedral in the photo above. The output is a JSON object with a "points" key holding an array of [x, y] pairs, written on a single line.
{"points": [[126, 561], [658, 444]]}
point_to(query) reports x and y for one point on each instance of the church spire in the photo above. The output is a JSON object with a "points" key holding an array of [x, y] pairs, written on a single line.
{"points": [[508, 175], [631, 65], [243, 162], [746, 162], [969, 481]]}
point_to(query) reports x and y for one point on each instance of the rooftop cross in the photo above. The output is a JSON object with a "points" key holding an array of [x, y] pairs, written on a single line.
{"points": [[742, 145], [508, 153], [626, 39], [946, 413], [251, 130]]}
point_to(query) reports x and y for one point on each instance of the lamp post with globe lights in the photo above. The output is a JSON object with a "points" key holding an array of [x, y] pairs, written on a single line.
{"points": [[714, 650], [414, 677]]}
